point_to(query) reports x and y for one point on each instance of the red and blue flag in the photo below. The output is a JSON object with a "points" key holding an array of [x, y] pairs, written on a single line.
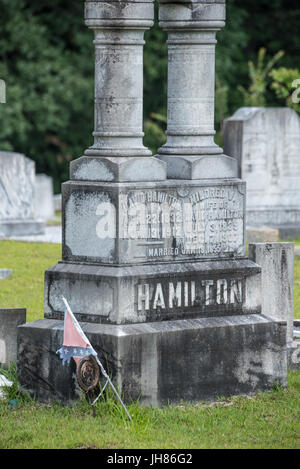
{"points": [[75, 344]]}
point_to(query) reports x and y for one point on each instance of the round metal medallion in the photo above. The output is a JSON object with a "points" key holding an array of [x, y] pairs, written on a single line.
{"points": [[88, 373]]}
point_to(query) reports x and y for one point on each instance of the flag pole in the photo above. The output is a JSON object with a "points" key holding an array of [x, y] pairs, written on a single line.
{"points": [[101, 368], [112, 386]]}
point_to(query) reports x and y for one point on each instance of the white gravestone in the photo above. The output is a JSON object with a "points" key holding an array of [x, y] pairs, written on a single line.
{"points": [[44, 200], [17, 192], [266, 143]]}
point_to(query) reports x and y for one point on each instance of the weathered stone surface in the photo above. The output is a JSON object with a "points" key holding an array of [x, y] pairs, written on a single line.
{"points": [[162, 362], [10, 319], [17, 192], [277, 264], [44, 202], [119, 39], [192, 28], [265, 141], [160, 292], [134, 223], [199, 167], [17, 186], [117, 169], [262, 235]]}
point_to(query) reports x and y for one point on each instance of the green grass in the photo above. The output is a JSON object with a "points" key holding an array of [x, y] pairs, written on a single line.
{"points": [[266, 420], [25, 288]]}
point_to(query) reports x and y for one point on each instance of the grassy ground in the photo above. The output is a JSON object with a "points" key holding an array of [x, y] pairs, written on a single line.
{"points": [[25, 288], [267, 420]]}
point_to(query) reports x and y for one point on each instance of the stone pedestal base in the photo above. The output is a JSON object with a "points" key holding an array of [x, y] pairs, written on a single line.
{"points": [[161, 362], [159, 292], [117, 169], [199, 166], [12, 228]]}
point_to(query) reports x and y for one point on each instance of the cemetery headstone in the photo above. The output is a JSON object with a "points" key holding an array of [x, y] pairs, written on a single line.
{"points": [[155, 267], [265, 142], [277, 264], [44, 200], [17, 192], [10, 319]]}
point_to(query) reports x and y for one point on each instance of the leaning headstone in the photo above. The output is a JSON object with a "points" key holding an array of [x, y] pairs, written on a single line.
{"points": [[10, 319], [44, 202], [266, 143], [155, 268], [17, 192]]}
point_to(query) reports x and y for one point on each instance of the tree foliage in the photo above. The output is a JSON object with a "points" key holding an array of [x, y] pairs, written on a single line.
{"points": [[47, 62]]}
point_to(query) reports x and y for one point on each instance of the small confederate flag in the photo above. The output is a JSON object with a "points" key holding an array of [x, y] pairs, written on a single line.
{"points": [[76, 344]]}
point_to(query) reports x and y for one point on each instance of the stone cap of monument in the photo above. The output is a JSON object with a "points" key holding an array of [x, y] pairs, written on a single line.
{"points": [[204, 14], [135, 14], [261, 117]]}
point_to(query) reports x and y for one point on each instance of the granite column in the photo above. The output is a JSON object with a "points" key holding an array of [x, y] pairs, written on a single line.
{"points": [[190, 150]]}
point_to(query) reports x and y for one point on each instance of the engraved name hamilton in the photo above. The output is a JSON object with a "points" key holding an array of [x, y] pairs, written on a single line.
{"points": [[165, 296]]}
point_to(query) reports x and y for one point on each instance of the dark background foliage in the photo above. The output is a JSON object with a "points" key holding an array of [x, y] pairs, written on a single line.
{"points": [[46, 59]]}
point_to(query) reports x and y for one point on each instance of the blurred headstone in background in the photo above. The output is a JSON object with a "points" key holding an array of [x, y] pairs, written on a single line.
{"points": [[57, 202], [266, 143], [262, 235], [10, 319], [17, 194], [44, 201]]}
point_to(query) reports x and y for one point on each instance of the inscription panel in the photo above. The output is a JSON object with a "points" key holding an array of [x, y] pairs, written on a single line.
{"points": [[164, 299], [183, 223], [155, 223]]}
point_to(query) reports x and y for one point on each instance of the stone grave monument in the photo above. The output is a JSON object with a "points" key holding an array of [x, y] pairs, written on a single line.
{"points": [[153, 258], [266, 142], [10, 319], [17, 193], [277, 264]]}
